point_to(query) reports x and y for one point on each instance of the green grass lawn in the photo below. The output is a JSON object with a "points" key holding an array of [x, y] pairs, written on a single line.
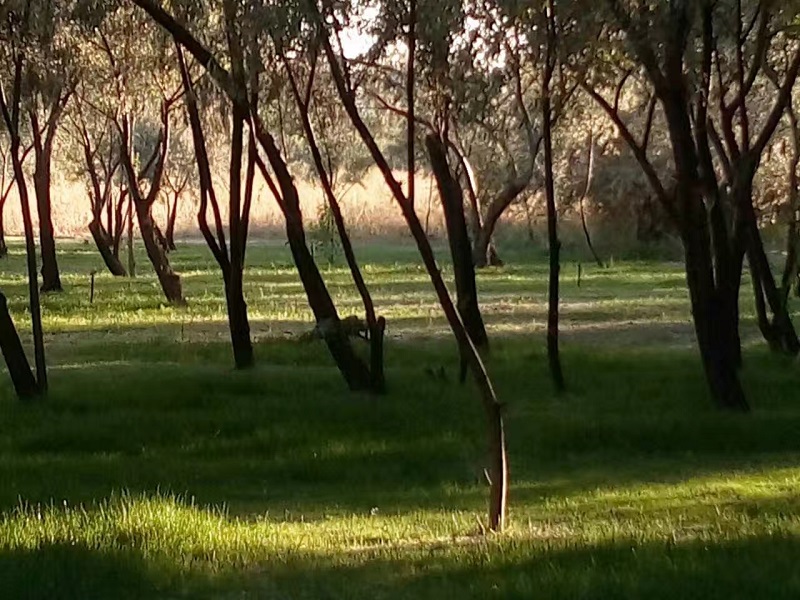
{"points": [[154, 470]]}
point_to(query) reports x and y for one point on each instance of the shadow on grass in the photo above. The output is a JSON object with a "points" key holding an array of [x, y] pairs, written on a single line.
{"points": [[757, 567], [76, 572]]}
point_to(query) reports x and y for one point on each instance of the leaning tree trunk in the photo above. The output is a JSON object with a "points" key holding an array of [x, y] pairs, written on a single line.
{"points": [[355, 372], [460, 251], [17, 362], [170, 281], [105, 245]]}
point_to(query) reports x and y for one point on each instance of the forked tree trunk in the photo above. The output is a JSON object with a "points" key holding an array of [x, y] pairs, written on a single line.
{"points": [[376, 326], [716, 320], [105, 245], [17, 362], [460, 251]]}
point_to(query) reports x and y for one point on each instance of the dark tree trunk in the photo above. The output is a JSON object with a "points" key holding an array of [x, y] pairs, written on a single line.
{"points": [[484, 252], [238, 321], [582, 201], [716, 320], [162, 239], [354, 370], [33, 283], [17, 362], [171, 220], [3, 246], [105, 245], [231, 265], [460, 250], [375, 325], [170, 281], [553, 297], [119, 222], [51, 279]]}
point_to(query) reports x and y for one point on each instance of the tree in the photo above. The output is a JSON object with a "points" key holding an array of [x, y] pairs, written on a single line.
{"points": [[305, 103], [324, 20], [234, 84], [95, 136], [679, 45], [554, 244], [18, 34], [136, 68], [231, 261]]}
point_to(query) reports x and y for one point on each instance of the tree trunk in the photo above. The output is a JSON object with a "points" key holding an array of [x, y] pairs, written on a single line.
{"points": [[237, 320], [355, 371], [171, 220], [105, 245], [169, 280], [553, 355], [460, 251], [17, 362], [131, 255], [119, 227], [51, 279], [484, 252], [33, 283], [162, 239], [3, 246], [716, 320], [586, 190]]}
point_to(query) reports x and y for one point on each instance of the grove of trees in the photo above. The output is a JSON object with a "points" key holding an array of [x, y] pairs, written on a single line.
{"points": [[680, 112]]}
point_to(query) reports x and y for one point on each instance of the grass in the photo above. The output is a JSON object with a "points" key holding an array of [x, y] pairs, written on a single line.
{"points": [[153, 470]]}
